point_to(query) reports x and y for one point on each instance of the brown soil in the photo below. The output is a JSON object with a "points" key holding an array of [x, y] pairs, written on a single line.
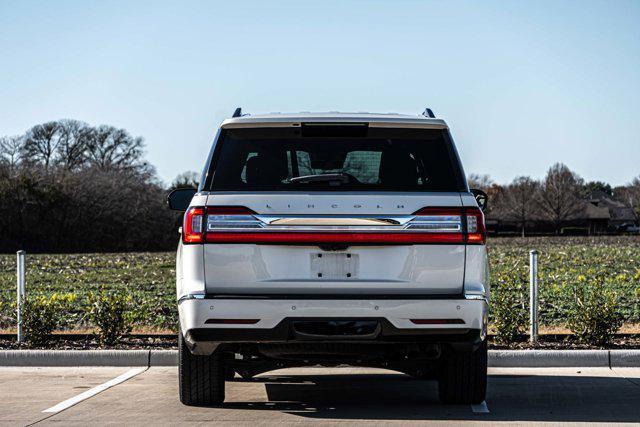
{"points": [[627, 328], [567, 342]]}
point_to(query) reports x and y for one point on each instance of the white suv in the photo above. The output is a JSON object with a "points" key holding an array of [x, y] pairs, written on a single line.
{"points": [[329, 239]]}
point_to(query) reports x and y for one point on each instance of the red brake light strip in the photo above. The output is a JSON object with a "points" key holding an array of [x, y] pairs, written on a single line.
{"points": [[238, 225]]}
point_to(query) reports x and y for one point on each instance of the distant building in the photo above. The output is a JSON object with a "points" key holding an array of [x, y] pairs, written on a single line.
{"points": [[605, 214], [594, 219], [600, 213]]}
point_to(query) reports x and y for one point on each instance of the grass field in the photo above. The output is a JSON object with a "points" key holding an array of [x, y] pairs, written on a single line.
{"points": [[564, 264], [149, 277]]}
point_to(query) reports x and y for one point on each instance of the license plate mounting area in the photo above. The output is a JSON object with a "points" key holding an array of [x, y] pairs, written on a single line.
{"points": [[334, 266]]}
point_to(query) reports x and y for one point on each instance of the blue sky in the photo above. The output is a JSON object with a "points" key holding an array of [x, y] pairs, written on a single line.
{"points": [[522, 84]]}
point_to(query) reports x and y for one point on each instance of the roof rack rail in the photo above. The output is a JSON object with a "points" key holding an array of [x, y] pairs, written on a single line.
{"points": [[428, 113], [237, 112]]}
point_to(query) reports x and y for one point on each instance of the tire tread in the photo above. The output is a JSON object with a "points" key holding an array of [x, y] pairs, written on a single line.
{"points": [[463, 378], [200, 378]]}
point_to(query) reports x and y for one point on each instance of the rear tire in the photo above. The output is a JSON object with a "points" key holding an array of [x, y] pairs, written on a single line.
{"points": [[463, 378], [200, 378]]}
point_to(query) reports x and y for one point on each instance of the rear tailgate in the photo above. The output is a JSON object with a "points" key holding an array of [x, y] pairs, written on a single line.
{"points": [[332, 244]]}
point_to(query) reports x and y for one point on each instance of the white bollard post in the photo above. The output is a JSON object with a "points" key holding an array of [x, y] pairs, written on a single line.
{"points": [[533, 296], [20, 276]]}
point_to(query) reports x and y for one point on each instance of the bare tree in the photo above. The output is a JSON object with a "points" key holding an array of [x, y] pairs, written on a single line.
{"points": [[480, 182], [113, 148], [71, 151], [186, 180], [560, 195], [63, 180], [11, 148], [630, 194], [494, 192], [519, 201], [41, 142]]}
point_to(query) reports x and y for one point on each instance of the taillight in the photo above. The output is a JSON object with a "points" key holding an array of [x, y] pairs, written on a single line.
{"points": [[192, 228], [237, 224], [444, 225], [476, 231], [221, 218], [328, 237], [450, 220]]}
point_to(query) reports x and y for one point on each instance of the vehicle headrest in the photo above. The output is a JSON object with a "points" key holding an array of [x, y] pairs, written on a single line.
{"points": [[398, 169], [265, 170]]}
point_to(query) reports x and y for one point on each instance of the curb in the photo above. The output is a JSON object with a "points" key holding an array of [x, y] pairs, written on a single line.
{"points": [[74, 357], [549, 358], [163, 358], [497, 358], [624, 358]]}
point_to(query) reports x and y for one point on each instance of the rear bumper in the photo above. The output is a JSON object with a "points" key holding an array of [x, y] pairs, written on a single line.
{"points": [[276, 320]]}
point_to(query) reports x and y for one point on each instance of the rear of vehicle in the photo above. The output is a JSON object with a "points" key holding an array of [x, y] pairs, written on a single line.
{"points": [[333, 239]]}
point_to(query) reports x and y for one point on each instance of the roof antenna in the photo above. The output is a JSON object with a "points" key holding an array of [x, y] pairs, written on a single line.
{"points": [[238, 112], [428, 113]]}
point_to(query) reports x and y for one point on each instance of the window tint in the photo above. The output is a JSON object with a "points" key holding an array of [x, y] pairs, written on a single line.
{"points": [[273, 159]]}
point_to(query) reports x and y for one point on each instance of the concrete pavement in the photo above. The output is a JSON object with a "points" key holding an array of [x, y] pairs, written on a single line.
{"points": [[336, 395]]}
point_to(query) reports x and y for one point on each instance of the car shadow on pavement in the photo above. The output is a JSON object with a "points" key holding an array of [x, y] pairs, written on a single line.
{"points": [[399, 397]]}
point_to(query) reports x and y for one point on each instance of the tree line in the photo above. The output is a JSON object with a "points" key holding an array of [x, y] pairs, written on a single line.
{"points": [[67, 186], [558, 199]]}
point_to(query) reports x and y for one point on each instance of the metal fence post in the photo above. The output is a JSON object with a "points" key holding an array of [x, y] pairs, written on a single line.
{"points": [[533, 296], [20, 277]]}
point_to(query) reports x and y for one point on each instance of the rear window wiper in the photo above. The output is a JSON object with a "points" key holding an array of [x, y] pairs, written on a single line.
{"points": [[331, 178]]}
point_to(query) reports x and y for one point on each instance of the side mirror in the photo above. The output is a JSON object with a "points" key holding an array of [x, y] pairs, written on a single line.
{"points": [[180, 198], [481, 198]]}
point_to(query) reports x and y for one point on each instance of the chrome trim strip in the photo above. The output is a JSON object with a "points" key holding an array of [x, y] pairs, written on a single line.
{"points": [[191, 296], [360, 223], [385, 220], [305, 221], [476, 297], [337, 223]]}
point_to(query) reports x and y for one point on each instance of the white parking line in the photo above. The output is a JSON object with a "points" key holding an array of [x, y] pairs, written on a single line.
{"points": [[480, 408], [95, 390]]}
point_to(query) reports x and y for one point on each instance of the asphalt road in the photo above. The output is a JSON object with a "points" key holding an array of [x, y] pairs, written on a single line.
{"points": [[294, 396]]}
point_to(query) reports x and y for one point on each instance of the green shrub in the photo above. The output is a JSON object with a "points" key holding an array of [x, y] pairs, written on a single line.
{"points": [[112, 313], [41, 315], [509, 310], [594, 316], [6, 314]]}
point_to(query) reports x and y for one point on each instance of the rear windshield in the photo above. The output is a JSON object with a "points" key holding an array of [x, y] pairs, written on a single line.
{"points": [[334, 158]]}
